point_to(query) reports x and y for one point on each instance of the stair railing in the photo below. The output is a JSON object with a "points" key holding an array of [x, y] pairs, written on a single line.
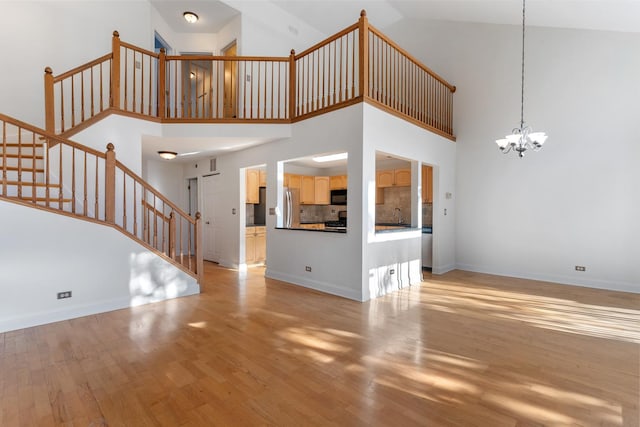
{"points": [[76, 180]]}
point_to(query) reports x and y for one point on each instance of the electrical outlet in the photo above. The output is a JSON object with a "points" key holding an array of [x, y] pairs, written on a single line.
{"points": [[63, 295], [307, 268], [581, 268]]}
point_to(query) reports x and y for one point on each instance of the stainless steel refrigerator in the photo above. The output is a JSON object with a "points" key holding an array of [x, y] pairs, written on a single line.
{"points": [[291, 208]]}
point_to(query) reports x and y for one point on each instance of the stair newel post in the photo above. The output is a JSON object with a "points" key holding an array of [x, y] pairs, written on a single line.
{"points": [[49, 107], [172, 235], [162, 70], [110, 185], [292, 85], [115, 71], [363, 30], [198, 247]]}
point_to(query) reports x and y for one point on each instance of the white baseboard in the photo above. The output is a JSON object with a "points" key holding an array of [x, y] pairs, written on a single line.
{"points": [[560, 279], [328, 288], [81, 310]]}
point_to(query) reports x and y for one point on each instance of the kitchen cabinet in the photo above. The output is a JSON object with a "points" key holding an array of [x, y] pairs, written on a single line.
{"points": [[255, 245], [252, 179], [262, 181], [338, 182], [384, 179], [427, 184], [322, 194], [402, 177], [292, 181], [393, 178], [379, 196], [307, 190]]}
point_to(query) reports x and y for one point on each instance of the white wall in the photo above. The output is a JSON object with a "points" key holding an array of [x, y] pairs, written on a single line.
{"points": [[268, 30], [401, 251], [125, 133], [45, 253], [61, 35], [167, 178], [576, 201]]}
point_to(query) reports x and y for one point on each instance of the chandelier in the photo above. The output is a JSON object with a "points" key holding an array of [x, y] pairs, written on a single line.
{"points": [[522, 138]]}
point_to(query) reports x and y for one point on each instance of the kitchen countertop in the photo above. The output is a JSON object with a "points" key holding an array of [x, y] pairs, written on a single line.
{"points": [[321, 230]]}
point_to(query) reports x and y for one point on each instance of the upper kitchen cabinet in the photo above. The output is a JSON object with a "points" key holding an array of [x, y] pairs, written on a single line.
{"points": [[393, 178], [292, 181], [262, 181], [427, 184], [252, 179], [338, 182], [402, 177], [384, 179], [322, 192], [308, 190]]}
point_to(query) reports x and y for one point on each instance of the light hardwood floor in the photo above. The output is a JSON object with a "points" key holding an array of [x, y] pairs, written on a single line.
{"points": [[463, 349]]}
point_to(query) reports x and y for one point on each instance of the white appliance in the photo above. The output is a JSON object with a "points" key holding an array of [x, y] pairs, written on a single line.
{"points": [[291, 208]]}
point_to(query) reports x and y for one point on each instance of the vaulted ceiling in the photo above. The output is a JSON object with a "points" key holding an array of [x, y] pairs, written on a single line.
{"points": [[329, 16]]}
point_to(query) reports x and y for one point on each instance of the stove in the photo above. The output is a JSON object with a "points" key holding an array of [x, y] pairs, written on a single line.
{"points": [[340, 223]]}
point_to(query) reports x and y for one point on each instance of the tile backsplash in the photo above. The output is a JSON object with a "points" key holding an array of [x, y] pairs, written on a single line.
{"points": [[394, 197], [318, 213], [400, 197]]}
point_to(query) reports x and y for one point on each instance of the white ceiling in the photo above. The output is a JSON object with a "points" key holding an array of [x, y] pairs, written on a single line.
{"points": [[330, 16], [212, 14]]}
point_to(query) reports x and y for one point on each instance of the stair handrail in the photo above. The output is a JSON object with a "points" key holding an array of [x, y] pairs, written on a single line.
{"points": [[79, 167]]}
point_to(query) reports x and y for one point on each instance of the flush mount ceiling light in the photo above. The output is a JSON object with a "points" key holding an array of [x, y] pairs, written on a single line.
{"points": [[331, 157], [167, 155], [190, 17], [522, 138]]}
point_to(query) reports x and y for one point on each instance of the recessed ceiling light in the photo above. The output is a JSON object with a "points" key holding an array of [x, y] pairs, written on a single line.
{"points": [[167, 155], [330, 157], [190, 17]]}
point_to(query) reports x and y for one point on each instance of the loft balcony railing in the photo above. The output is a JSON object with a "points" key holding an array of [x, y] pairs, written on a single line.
{"points": [[358, 64]]}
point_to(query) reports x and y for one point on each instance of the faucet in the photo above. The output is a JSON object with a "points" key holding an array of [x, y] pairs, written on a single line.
{"points": [[399, 215]]}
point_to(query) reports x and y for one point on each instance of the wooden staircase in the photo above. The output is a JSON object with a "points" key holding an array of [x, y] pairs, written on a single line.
{"points": [[50, 172]]}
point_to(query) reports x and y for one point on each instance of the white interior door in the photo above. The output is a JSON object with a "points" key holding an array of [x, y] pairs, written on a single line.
{"points": [[211, 192]]}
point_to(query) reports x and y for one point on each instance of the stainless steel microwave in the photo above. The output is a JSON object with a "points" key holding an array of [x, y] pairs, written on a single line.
{"points": [[338, 197]]}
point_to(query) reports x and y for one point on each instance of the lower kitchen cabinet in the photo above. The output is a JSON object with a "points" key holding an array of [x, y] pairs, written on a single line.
{"points": [[255, 245]]}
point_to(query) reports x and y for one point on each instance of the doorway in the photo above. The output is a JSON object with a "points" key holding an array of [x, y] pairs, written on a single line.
{"points": [[160, 43], [211, 194], [192, 188], [427, 216], [230, 103]]}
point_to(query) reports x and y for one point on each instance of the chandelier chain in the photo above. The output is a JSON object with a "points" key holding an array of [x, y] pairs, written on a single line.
{"points": [[522, 77]]}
